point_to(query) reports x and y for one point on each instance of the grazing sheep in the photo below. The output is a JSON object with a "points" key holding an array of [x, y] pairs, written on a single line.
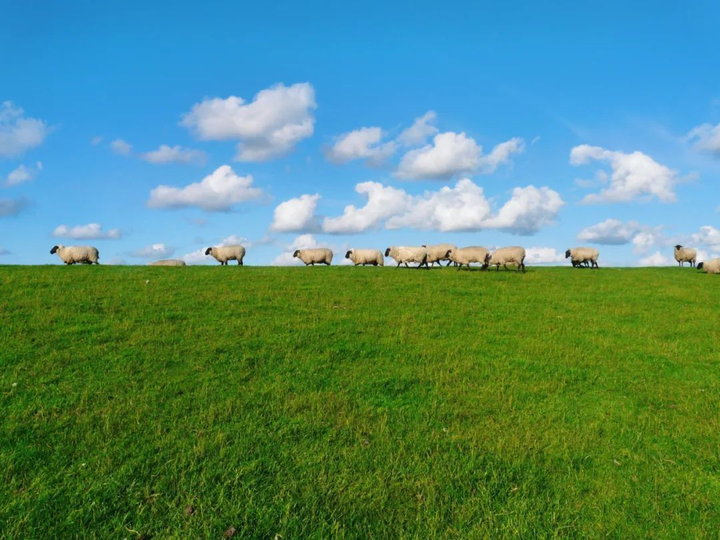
{"points": [[467, 255], [76, 254], [223, 254], [711, 267], [365, 256], [168, 262], [683, 255], [583, 255], [405, 255], [438, 253], [314, 256], [507, 255]]}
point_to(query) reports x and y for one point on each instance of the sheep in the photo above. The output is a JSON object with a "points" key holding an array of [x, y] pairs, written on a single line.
{"points": [[583, 255], [507, 255], [403, 254], [223, 254], [168, 262], [438, 253], [314, 256], [711, 267], [683, 255], [467, 255], [365, 256], [76, 254]]}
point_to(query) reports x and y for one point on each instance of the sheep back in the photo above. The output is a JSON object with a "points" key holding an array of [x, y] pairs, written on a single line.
{"points": [[365, 256], [314, 256]]}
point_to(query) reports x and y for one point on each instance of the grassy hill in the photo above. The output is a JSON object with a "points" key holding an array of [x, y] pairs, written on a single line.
{"points": [[358, 402]]}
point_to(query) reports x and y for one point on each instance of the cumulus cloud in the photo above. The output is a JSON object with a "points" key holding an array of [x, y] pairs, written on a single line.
{"points": [[270, 126], [217, 192], [706, 138], [452, 154], [463, 207], [708, 235], [543, 255], [657, 259], [421, 130], [121, 147], [23, 174], [634, 176], [363, 143], [613, 232], [296, 215], [197, 257], [18, 133], [382, 203], [154, 251], [91, 231], [12, 207], [174, 154]]}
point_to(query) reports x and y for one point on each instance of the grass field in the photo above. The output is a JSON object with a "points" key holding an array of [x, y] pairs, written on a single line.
{"points": [[359, 403]]}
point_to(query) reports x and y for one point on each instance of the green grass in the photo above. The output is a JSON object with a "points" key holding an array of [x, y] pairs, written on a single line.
{"points": [[359, 403]]}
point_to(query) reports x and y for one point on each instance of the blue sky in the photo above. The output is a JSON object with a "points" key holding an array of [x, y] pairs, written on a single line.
{"points": [[546, 126]]}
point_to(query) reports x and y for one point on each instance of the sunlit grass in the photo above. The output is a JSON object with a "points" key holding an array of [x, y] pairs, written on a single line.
{"points": [[358, 402]]}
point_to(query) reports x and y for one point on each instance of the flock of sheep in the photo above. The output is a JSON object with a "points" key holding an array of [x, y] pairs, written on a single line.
{"points": [[422, 256]]}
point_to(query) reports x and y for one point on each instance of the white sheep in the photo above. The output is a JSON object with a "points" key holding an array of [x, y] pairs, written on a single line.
{"points": [[711, 267], [508, 255], [365, 256], [405, 255], [583, 255], [683, 255], [77, 254], [168, 262], [223, 254], [438, 253], [314, 256], [465, 256]]}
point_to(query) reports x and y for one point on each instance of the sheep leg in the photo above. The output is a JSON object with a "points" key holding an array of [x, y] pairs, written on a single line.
{"points": [[398, 266]]}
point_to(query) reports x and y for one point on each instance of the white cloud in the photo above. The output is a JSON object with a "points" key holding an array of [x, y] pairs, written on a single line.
{"points": [[382, 203], [270, 126], [460, 208], [12, 207], [706, 138], [4, 251], [23, 174], [613, 232], [634, 176], [121, 147], [175, 154], [17, 133], [543, 255], [528, 210], [96, 140], [116, 261], [217, 192], [363, 143], [304, 241], [197, 257], [154, 251], [657, 259], [452, 154], [234, 240], [708, 235], [420, 131], [296, 215], [91, 231]]}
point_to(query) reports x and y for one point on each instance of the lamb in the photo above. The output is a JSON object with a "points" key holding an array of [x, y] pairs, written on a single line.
{"points": [[507, 255], [223, 254], [438, 253], [683, 255], [711, 267], [405, 255], [467, 255], [314, 256], [76, 254], [365, 256], [583, 255], [168, 262]]}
